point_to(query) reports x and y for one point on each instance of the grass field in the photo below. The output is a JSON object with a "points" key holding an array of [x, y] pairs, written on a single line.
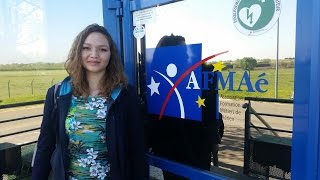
{"points": [[21, 84], [285, 84]]}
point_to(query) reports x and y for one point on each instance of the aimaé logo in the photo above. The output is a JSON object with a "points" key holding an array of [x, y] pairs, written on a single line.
{"points": [[179, 86]]}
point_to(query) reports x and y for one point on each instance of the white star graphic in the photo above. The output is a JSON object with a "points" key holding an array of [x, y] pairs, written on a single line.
{"points": [[154, 87]]}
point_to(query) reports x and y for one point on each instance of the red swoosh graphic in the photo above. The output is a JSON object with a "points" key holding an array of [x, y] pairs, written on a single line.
{"points": [[164, 105]]}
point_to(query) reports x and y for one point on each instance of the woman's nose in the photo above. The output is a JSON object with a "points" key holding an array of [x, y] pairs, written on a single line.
{"points": [[94, 52]]}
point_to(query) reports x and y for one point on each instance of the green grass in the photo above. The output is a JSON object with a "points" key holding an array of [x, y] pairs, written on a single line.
{"points": [[20, 83], [285, 84], [21, 91]]}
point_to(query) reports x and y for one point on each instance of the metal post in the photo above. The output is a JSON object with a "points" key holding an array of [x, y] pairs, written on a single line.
{"points": [[9, 88], [32, 86], [246, 166], [277, 61]]}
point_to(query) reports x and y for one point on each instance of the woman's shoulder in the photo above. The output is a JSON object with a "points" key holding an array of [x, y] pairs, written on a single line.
{"points": [[58, 83], [129, 90], [129, 87], [127, 94], [65, 83], [54, 90]]}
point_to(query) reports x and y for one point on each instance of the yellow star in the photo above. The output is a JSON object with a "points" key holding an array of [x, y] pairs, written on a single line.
{"points": [[218, 66], [200, 102]]}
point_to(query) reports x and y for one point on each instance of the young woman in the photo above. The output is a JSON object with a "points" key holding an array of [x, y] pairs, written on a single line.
{"points": [[96, 130]]}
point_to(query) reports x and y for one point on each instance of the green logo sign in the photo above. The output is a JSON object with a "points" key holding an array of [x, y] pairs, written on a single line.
{"points": [[254, 17]]}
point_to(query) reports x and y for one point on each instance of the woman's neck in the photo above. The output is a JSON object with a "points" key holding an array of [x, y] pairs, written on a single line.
{"points": [[94, 82]]}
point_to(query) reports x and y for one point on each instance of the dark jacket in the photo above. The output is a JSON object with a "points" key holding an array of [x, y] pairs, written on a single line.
{"points": [[220, 128], [181, 140], [125, 139]]}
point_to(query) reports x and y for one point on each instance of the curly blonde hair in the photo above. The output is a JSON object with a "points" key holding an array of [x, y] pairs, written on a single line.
{"points": [[114, 75]]}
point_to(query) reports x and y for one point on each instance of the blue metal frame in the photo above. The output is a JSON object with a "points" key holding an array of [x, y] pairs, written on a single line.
{"points": [[118, 21], [305, 141], [128, 39], [182, 170], [111, 17], [142, 4], [128, 43]]}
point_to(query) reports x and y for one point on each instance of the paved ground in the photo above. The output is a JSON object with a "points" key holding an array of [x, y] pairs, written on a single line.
{"points": [[231, 149], [21, 125]]}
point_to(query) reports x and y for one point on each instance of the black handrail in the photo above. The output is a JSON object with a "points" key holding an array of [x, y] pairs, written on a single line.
{"points": [[21, 104], [22, 118], [18, 119], [273, 115], [288, 101], [273, 129], [19, 132]]}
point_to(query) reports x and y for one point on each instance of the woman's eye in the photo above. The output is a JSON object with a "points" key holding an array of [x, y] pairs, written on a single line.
{"points": [[85, 48], [104, 50]]}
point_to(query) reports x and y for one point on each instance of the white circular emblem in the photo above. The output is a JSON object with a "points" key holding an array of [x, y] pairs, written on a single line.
{"points": [[255, 17], [139, 32]]}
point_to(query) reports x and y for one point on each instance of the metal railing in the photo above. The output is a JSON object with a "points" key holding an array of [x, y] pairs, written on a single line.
{"points": [[21, 104], [248, 144], [162, 163], [16, 168]]}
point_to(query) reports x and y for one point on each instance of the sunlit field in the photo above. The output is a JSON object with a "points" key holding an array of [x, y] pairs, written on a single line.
{"points": [[285, 84], [24, 86]]}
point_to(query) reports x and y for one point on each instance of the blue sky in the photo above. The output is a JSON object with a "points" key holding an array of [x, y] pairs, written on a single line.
{"points": [[66, 20], [43, 30], [211, 24]]}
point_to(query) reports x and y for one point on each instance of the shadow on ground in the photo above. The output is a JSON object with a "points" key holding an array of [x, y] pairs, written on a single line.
{"points": [[231, 154]]}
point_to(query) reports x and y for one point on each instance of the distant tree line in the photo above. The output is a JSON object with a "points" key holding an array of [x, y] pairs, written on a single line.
{"points": [[31, 66], [250, 63], [246, 63]]}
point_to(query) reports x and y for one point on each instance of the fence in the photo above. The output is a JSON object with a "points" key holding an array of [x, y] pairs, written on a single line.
{"points": [[16, 152], [23, 86], [15, 158], [267, 151], [28, 88]]}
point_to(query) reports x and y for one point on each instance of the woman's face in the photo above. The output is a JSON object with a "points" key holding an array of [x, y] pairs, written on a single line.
{"points": [[95, 53]]}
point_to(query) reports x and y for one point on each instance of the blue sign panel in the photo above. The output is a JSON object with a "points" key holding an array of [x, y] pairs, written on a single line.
{"points": [[172, 89]]}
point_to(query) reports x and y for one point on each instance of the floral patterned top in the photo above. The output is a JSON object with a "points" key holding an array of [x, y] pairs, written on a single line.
{"points": [[86, 127]]}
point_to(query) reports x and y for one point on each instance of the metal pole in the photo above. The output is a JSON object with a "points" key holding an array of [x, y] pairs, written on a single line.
{"points": [[9, 88], [277, 61], [32, 86], [247, 143]]}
